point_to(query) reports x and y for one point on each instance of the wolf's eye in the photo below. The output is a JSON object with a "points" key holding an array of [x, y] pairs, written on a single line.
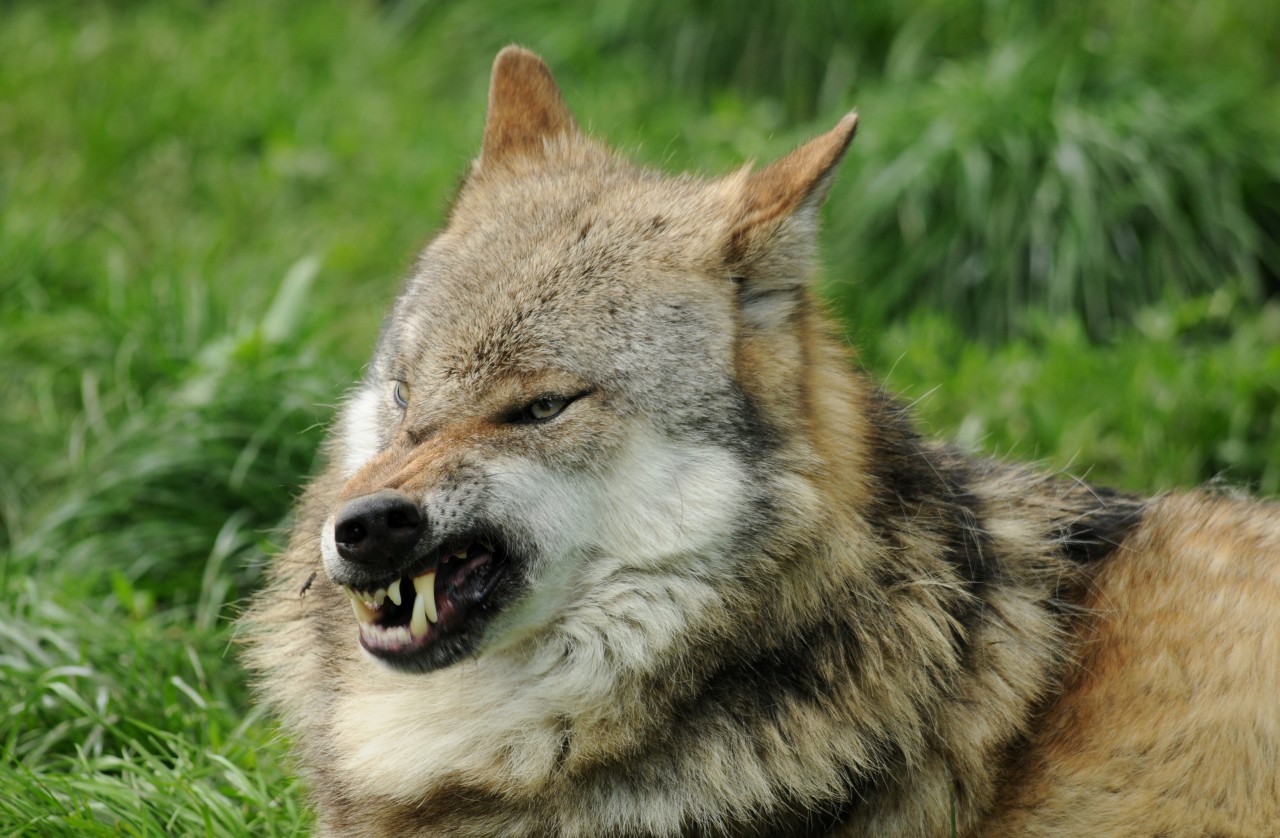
{"points": [[547, 407], [401, 395]]}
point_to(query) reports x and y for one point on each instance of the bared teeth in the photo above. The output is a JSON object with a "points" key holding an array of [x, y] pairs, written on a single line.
{"points": [[424, 603], [418, 623], [425, 586], [368, 604], [389, 637], [362, 611], [430, 600]]}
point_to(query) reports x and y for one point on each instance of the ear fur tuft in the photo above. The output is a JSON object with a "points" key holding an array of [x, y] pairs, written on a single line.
{"points": [[525, 108]]}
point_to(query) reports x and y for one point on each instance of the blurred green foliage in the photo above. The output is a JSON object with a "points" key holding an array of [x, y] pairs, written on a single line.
{"points": [[1190, 395], [1056, 233]]}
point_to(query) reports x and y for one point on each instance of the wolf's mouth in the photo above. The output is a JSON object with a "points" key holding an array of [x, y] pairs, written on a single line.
{"points": [[415, 611]]}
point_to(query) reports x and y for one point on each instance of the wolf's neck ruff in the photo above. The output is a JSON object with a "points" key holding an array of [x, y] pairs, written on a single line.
{"points": [[671, 565]]}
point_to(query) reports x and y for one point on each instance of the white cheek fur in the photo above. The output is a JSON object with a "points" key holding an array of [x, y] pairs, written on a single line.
{"points": [[663, 501], [657, 505], [329, 548], [360, 433]]}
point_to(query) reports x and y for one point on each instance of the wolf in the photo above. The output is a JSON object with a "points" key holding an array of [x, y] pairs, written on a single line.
{"points": [[616, 538]]}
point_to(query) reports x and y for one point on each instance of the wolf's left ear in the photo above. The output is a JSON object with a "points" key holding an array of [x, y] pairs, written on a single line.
{"points": [[772, 234], [525, 109]]}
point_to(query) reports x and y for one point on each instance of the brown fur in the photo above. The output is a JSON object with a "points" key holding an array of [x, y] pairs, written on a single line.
{"points": [[1169, 725], [885, 637]]}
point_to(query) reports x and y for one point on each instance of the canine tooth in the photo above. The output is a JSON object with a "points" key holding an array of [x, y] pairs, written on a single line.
{"points": [[393, 592], [362, 611], [379, 597], [418, 623], [460, 553], [425, 585]]}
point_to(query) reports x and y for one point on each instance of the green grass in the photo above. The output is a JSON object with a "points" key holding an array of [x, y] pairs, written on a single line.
{"points": [[1190, 395], [1056, 232]]}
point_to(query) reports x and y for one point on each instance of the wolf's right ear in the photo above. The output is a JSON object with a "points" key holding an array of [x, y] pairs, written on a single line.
{"points": [[525, 109], [773, 232]]}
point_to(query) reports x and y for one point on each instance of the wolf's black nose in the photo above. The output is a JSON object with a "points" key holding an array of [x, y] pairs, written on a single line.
{"points": [[378, 529]]}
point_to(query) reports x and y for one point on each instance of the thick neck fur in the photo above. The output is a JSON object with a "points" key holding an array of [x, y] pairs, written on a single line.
{"points": [[896, 630]]}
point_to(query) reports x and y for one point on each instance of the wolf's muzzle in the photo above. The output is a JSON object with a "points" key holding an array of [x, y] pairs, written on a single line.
{"points": [[420, 595], [378, 531]]}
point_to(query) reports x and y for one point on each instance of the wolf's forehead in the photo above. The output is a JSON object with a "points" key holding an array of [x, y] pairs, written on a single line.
{"points": [[582, 216], [468, 335], [580, 273], [585, 314]]}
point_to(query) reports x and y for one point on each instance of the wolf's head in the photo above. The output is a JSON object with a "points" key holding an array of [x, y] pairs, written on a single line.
{"points": [[585, 409]]}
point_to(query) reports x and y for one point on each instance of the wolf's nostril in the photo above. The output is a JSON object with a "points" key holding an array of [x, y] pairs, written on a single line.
{"points": [[350, 532], [378, 530]]}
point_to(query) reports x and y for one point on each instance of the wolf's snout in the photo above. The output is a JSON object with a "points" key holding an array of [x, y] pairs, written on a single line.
{"points": [[378, 529]]}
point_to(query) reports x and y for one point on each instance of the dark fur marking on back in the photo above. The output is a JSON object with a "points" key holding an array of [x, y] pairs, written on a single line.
{"points": [[929, 493], [1099, 530], [922, 493]]}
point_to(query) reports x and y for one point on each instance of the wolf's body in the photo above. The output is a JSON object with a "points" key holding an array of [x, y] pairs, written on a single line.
{"points": [[733, 592]]}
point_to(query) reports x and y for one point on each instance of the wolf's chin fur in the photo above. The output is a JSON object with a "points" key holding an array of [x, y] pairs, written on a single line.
{"points": [[752, 600]]}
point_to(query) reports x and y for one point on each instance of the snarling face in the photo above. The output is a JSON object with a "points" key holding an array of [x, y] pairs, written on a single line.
{"points": [[557, 402], [547, 412]]}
